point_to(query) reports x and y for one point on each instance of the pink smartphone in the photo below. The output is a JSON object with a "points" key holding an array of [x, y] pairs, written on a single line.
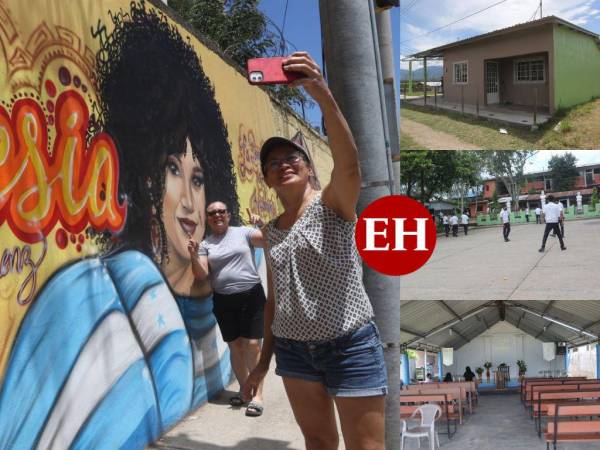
{"points": [[270, 71]]}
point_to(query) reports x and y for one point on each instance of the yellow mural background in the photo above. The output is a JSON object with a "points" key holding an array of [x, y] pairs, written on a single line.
{"points": [[38, 36]]}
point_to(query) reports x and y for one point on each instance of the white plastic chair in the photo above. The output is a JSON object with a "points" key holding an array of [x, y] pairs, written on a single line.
{"points": [[429, 412]]}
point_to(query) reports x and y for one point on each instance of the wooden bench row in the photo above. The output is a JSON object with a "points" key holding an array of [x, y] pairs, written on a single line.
{"points": [[528, 393], [539, 380], [572, 422], [547, 402], [469, 386], [535, 391], [465, 392]]}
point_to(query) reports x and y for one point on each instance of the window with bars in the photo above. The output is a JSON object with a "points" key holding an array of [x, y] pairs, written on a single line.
{"points": [[461, 72], [530, 71]]}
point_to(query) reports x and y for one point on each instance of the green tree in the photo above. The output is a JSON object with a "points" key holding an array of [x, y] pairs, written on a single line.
{"points": [[508, 166], [468, 167], [494, 205], [563, 171], [594, 200], [242, 32], [425, 174]]}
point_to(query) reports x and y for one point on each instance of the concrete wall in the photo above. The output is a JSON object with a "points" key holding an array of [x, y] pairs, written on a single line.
{"points": [[115, 123], [526, 42], [583, 363], [504, 343], [577, 67], [512, 92]]}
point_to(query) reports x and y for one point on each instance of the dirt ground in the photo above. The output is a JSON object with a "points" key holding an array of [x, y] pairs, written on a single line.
{"points": [[431, 139]]}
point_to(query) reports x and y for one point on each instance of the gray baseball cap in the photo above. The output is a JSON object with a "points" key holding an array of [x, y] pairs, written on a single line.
{"points": [[276, 142]]}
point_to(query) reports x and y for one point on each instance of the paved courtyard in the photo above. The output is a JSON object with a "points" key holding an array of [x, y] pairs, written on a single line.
{"points": [[481, 266], [218, 426]]}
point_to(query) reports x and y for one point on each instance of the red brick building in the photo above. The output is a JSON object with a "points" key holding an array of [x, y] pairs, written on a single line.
{"points": [[588, 178]]}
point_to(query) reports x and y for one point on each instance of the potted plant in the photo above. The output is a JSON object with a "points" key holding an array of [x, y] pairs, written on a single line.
{"points": [[522, 369], [479, 371], [487, 366]]}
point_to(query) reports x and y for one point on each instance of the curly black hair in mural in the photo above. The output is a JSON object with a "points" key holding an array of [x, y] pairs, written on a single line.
{"points": [[154, 95]]}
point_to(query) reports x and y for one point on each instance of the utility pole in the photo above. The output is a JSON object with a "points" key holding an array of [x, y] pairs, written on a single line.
{"points": [[348, 38], [386, 52], [541, 15]]}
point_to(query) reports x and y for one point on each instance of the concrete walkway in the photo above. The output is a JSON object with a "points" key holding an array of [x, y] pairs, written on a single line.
{"points": [[498, 423], [508, 114], [481, 266], [218, 426], [431, 139]]}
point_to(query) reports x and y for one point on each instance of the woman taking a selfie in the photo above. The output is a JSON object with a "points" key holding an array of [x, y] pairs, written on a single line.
{"points": [[318, 318]]}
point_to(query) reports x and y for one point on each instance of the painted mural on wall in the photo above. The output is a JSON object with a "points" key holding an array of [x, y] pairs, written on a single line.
{"points": [[116, 131]]}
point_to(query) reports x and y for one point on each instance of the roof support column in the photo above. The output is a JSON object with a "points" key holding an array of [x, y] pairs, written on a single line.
{"points": [[597, 360], [405, 369], [440, 369], [410, 78], [424, 80]]}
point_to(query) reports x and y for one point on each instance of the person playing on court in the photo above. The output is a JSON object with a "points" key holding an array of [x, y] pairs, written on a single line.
{"points": [[552, 214], [505, 216]]}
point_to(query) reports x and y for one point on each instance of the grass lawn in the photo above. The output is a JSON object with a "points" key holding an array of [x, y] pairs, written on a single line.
{"points": [[407, 143], [578, 127]]}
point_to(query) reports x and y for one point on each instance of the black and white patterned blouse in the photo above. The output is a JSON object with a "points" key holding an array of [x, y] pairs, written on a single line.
{"points": [[317, 277]]}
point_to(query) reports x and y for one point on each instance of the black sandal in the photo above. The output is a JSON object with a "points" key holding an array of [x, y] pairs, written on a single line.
{"points": [[254, 409], [237, 400]]}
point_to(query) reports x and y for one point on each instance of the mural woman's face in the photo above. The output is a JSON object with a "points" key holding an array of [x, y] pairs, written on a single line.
{"points": [[184, 203]]}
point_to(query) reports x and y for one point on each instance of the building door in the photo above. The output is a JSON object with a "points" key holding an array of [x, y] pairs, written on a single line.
{"points": [[589, 177], [492, 82]]}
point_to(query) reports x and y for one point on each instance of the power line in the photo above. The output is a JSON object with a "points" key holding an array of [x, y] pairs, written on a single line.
{"points": [[284, 18], [534, 13], [456, 21], [407, 7], [404, 12]]}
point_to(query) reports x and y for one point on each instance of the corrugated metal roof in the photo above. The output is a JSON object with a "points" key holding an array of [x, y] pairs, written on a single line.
{"points": [[420, 319], [438, 51]]}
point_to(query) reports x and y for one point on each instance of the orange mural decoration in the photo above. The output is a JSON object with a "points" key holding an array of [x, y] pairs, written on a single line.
{"points": [[76, 185], [262, 200]]}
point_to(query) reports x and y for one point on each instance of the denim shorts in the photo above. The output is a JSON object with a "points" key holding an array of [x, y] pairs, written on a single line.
{"points": [[348, 366]]}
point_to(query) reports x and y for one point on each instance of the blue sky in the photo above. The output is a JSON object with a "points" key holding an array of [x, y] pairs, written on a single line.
{"points": [[540, 160], [303, 30], [418, 17]]}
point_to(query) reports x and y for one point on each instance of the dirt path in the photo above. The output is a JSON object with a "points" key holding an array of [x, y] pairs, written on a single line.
{"points": [[432, 139]]}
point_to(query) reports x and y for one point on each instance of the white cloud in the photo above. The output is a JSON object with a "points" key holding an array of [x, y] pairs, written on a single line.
{"points": [[432, 14], [540, 161]]}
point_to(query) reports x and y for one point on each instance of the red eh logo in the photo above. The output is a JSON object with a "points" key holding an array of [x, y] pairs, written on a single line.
{"points": [[395, 235]]}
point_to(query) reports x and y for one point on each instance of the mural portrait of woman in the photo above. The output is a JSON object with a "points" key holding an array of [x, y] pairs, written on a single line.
{"points": [[134, 345], [175, 158], [160, 108]]}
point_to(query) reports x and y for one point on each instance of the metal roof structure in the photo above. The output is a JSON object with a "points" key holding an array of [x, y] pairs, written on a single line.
{"points": [[438, 323], [438, 52]]}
